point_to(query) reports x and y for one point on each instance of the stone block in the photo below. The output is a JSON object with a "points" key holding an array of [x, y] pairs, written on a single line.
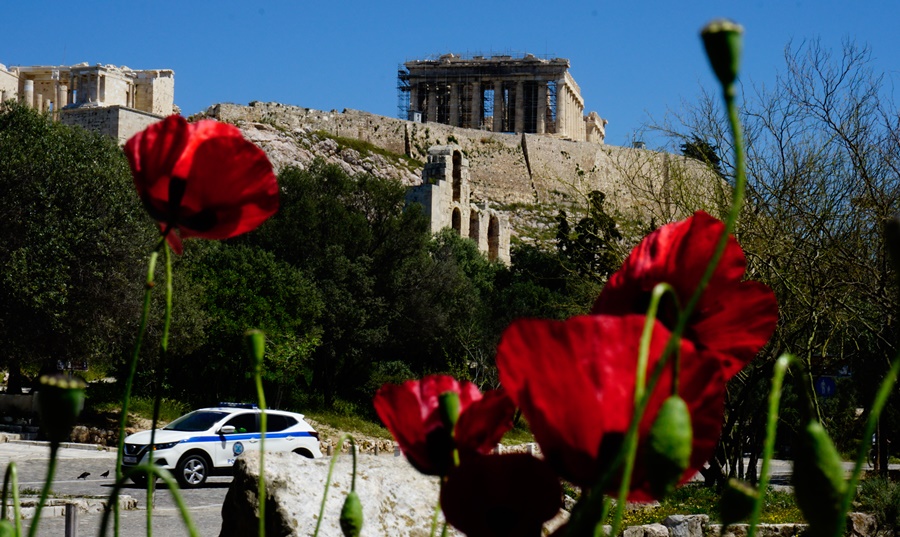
{"points": [[647, 530], [396, 499], [861, 525], [686, 525]]}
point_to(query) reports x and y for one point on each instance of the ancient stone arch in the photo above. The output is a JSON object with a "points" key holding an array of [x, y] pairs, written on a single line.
{"points": [[474, 224], [445, 197], [493, 238]]}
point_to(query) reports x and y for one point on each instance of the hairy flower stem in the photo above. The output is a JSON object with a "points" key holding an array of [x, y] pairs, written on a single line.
{"points": [[641, 396], [12, 477], [257, 341], [781, 367], [153, 473], [129, 381], [884, 392], [160, 381], [337, 451], [51, 469]]}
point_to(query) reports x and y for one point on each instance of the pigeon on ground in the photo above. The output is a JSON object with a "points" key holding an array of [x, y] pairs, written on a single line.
{"points": [[84, 475], [105, 474]]}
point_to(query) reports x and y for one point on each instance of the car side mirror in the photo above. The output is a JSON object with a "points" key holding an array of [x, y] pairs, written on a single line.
{"points": [[227, 429]]}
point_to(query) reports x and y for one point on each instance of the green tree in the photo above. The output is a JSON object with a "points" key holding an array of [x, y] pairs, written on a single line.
{"points": [[72, 246], [243, 287], [823, 179], [353, 238]]}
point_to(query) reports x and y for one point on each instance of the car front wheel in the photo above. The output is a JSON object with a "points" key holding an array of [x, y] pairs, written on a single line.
{"points": [[192, 471]]}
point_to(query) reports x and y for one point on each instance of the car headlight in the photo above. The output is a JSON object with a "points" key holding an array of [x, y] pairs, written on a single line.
{"points": [[168, 445]]}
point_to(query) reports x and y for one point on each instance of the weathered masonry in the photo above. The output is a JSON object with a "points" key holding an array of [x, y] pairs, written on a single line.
{"points": [[445, 198], [114, 100], [499, 94]]}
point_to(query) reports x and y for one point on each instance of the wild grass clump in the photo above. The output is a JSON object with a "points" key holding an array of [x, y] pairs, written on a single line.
{"points": [[880, 497], [697, 499]]}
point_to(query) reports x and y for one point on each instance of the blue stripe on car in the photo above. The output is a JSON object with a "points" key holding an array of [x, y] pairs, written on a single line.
{"points": [[244, 436]]}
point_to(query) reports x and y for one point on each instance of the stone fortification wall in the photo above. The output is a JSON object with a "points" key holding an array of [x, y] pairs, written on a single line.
{"points": [[117, 121], [509, 171]]}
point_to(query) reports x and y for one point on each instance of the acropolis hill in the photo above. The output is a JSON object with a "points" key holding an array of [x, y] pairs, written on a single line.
{"points": [[461, 108], [513, 172]]}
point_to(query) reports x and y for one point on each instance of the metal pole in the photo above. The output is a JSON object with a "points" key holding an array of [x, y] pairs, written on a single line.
{"points": [[71, 520]]}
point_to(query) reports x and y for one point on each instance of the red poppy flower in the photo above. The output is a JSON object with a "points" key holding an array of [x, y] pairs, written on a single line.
{"points": [[201, 179], [732, 320], [574, 381], [501, 495], [411, 412]]}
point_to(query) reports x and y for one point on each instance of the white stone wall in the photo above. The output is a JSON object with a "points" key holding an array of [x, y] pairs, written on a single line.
{"points": [[9, 84], [114, 89]]}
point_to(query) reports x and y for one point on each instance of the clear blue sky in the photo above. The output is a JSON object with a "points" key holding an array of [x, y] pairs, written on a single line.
{"points": [[632, 59]]}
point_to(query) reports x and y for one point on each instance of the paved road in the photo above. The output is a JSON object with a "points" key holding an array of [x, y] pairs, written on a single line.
{"points": [[205, 504]]}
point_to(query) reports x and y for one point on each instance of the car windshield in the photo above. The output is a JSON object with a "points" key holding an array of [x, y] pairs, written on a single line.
{"points": [[196, 421]]}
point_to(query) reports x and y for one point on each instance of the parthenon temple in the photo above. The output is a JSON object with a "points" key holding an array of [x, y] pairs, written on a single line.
{"points": [[499, 94]]}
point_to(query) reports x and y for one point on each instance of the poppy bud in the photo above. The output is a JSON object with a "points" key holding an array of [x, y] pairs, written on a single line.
{"points": [[722, 40], [7, 529], [352, 515], [448, 404], [819, 483], [256, 346], [737, 502], [669, 446], [60, 401]]}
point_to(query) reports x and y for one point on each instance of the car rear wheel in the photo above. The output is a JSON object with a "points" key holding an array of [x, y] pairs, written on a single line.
{"points": [[192, 470]]}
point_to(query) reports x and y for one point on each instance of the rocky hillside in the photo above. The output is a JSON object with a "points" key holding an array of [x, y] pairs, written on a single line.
{"points": [[300, 145]]}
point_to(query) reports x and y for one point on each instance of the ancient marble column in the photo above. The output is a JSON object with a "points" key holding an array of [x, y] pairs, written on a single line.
{"points": [[431, 98], [520, 107], [28, 93], [413, 99], [541, 126], [454, 105], [477, 98], [498, 106], [561, 102], [62, 96]]}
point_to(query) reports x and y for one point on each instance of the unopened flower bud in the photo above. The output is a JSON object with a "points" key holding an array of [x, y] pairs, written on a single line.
{"points": [[737, 501], [352, 515], [669, 446], [819, 484], [722, 40], [60, 401], [449, 408], [256, 346], [7, 529]]}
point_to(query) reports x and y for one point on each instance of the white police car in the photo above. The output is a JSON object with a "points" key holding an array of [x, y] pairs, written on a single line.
{"points": [[207, 441]]}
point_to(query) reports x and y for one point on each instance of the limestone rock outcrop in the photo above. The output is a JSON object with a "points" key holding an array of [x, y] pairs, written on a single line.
{"points": [[396, 499]]}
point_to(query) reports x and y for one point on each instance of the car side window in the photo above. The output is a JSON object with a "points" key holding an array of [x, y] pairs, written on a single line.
{"points": [[244, 423], [277, 422]]}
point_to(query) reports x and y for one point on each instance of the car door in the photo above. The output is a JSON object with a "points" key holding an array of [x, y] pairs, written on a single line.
{"points": [[244, 437], [276, 440]]}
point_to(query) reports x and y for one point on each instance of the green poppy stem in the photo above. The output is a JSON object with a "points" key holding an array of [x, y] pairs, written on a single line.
{"points": [[344, 437], [881, 398], [129, 381], [256, 348], [51, 470], [641, 396], [12, 477], [160, 381], [781, 367]]}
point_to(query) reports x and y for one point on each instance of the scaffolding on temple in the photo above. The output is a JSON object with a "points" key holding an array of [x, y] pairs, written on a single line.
{"points": [[501, 93]]}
